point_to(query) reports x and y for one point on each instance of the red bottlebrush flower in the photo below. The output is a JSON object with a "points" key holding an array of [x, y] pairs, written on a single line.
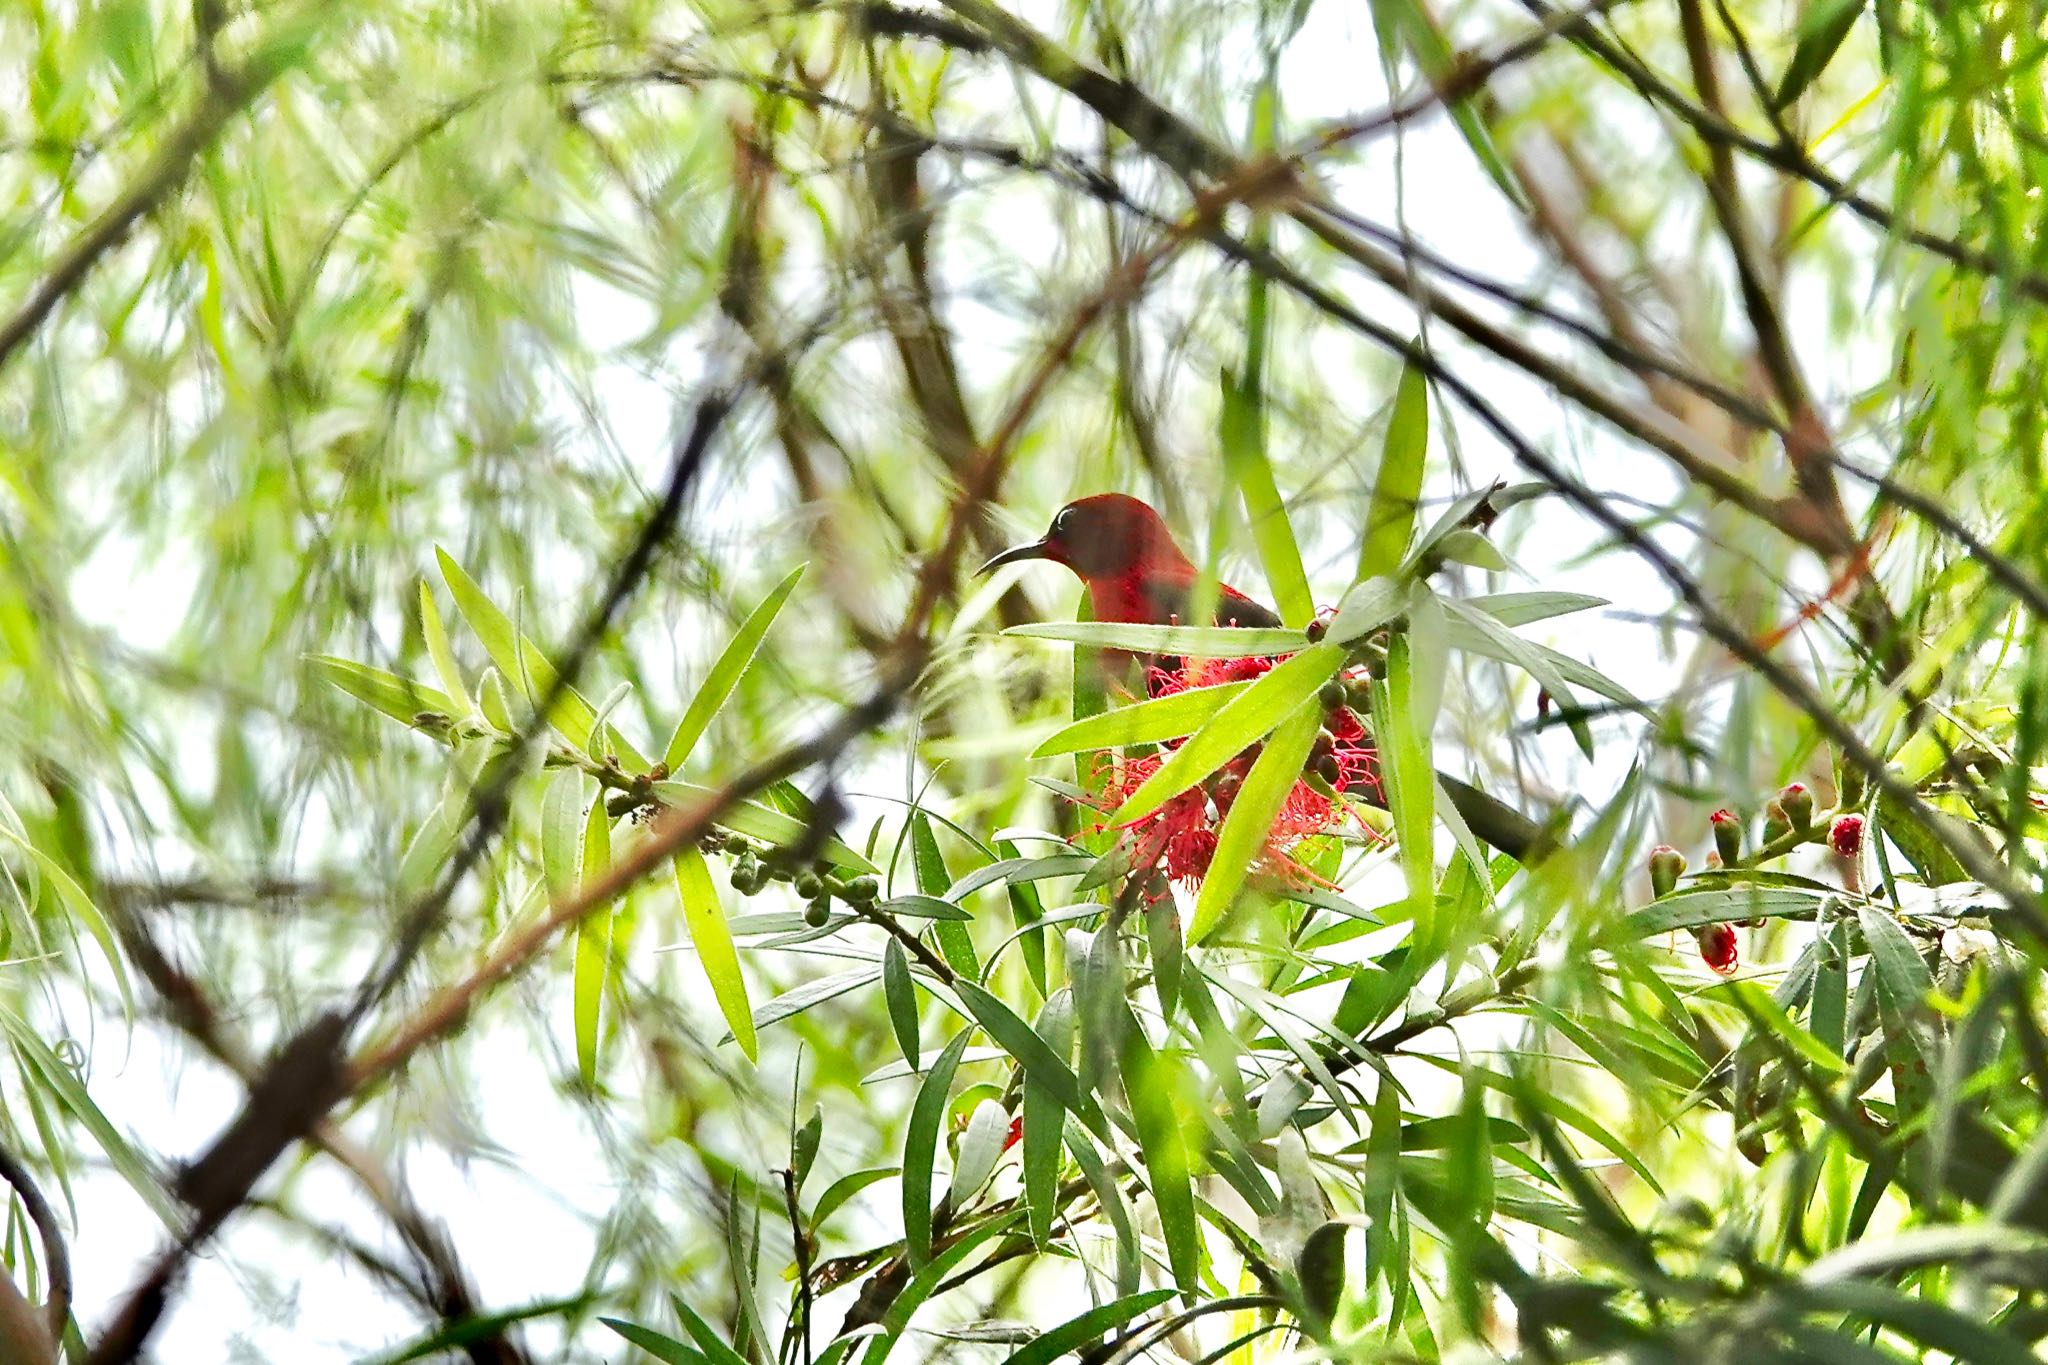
{"points": [[1845, 836], [1181, 834], [1718, 947]]}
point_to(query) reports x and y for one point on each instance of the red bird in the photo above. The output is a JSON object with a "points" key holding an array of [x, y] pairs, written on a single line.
{"points": [[1136, 574], [1134, 571]]}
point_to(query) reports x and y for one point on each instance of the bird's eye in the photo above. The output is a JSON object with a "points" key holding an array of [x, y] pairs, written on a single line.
{"points": [[1063, 522]]}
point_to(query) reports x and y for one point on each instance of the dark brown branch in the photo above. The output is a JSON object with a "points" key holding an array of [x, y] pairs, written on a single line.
{"points": [[56, 1259]]}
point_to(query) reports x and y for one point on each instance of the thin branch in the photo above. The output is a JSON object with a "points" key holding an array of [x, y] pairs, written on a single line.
{"points": [[56, 1259]]}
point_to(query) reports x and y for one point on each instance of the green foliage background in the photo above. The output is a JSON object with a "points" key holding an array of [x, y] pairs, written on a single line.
{"points": [[294, 296]]}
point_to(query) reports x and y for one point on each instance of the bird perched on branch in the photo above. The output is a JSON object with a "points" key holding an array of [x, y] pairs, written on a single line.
{"points": [[1137, 574]]}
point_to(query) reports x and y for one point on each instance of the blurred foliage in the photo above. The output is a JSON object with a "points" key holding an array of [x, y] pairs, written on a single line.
{"points": [[346, 349]]}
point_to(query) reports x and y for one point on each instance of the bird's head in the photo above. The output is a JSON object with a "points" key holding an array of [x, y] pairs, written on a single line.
{"points": [[1103, 536]]}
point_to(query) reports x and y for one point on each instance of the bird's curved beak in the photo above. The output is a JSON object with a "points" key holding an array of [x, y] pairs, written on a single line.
{"points": [[1016, 554]]}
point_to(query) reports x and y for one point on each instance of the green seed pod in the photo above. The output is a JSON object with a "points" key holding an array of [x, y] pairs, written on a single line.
{"points": [[863, 890], [819, 912], [807, 885]]}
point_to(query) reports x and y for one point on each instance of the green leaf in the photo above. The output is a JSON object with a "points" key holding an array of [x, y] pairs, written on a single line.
{"points": [[1525, 608], [1470, 639], [399, 698], [1409, 781], [1040, 1062], [1397, 487], [1147, 722], [665, 1349], [920, 1149], [845, 1188], [933, 880], [1822, 29], [440, 651], [1152, 1082], [1079, 1331], [1242, 839], [810, 994], [1320, 1268], [924, 907], [726, 673], [975, 1158], [1244, 459], [1044, 1118], [901, 997], [1527, 657], [81, 908], [706, 1336], [1921, 1319], [715, 953], [1192, 642], [431, 844], [922, 1283], [593, 945], [1407, 24], [561, 827], [1690, 909], [1239, 723], [519, 658], [61, 1082], [761, 822]]}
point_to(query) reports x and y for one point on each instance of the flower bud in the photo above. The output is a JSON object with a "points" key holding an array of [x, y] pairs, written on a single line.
{"points": [[1845, 836], [807, 885], [1718, 947], [862, 889], [1776, 825], [1329, 769], [1316, 630], [1666, 863], [1727, 835], [1332, 695], [1797, 803], [818, 913]]}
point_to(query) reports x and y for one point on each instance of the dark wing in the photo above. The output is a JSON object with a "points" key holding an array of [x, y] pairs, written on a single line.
{"points": [[1235, 609], [1165, 599]]}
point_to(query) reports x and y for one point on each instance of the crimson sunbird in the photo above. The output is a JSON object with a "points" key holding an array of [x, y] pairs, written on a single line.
{"points": [[1137, 574]]}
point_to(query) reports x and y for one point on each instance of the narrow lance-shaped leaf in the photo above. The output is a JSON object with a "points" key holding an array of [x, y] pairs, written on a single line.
{"points": [[1152, 1081], [1198, 642], [1244, 456], [593, 945], [1241, 722], [1408, 780], [1044, 1118], [1822, 29], [399, 698], [1079, 1331], [901, 997], [921, 1149], [1250, 821], [435, 633], [520, 659], [1397, 487], [713, 940], [933, 879], [1146, 722], [726, 673]]}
